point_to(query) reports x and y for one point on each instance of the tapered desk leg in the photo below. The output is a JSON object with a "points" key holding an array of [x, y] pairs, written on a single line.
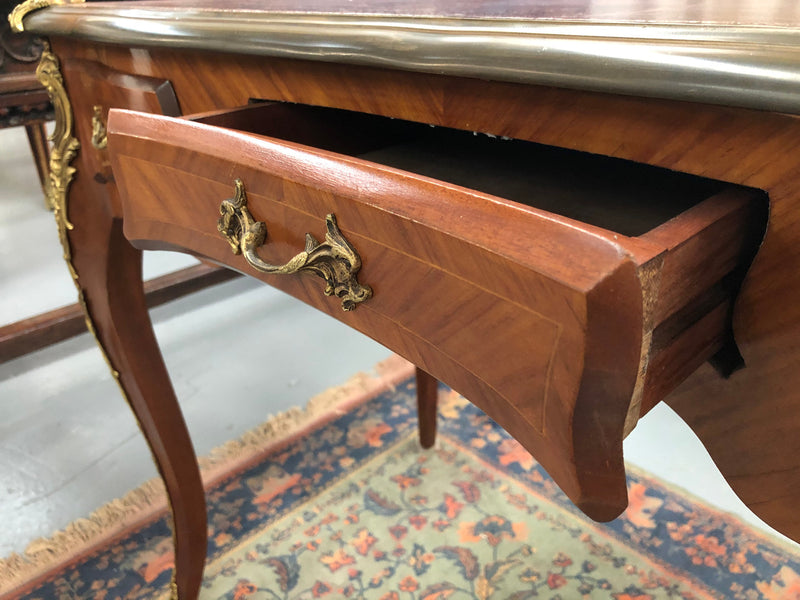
{"points": [[109, 275], [427, 392]]}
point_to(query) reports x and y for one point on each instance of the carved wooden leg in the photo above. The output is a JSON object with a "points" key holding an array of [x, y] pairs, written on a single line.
{"points": [[427, 393], [108, 274], [109, 271]]}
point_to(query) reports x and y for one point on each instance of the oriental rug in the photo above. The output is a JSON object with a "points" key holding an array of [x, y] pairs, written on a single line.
{"points": [[353, 508]]}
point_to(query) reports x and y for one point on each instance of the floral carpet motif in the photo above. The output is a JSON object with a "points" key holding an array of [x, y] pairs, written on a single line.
{"points": [[358, 510]]}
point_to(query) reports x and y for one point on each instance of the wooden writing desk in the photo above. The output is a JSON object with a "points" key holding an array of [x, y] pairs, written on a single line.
{"points": [[563, 325]]}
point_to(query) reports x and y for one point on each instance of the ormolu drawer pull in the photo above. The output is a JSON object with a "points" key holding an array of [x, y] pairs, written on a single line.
{"points": [[335, 260]]}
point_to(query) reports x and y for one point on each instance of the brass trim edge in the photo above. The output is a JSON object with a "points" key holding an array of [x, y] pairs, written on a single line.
{"points": [[16, 16], [734, 65], [335, 259]]}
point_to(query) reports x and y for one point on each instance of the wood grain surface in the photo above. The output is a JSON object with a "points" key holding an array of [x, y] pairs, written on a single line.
{"points": [[427, 401], [110, 278], [452, 270], [481, 266], [748, 422]]}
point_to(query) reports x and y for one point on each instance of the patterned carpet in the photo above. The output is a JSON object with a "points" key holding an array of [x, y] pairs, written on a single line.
{"points": [[358, 510]]}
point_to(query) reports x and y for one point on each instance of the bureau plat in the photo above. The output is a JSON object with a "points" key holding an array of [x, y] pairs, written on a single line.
{"points": [[566, 245]]}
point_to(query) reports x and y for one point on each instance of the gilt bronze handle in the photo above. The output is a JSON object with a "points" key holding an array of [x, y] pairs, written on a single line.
{"points": [[335, 259]]}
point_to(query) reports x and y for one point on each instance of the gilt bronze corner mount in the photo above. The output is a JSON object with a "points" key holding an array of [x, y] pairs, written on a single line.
{"points": [[65, 145]]}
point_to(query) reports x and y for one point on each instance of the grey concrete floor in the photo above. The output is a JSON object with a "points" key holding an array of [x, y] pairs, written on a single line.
{"points": [[236, 353]]}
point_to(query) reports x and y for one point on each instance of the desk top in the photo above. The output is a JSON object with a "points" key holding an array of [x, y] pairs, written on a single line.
{"points": [[742, 53]]}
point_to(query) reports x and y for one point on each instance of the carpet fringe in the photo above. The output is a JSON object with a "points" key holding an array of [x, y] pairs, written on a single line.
{"points": [[44, 553], [136, 506]]}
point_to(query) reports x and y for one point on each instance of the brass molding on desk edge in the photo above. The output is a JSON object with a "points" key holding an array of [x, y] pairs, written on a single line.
{"points": [[16, 16], [745, 66]]}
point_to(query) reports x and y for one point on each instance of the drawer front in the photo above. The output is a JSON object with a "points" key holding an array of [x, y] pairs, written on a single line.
{"points": [[532, 319], [546, 323]]}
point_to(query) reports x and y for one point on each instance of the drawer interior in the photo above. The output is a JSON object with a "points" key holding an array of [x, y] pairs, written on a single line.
{"points": [[617, 195]]}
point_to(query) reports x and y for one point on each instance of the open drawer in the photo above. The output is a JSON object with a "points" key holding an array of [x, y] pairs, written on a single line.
{"points": [[563, 293]]}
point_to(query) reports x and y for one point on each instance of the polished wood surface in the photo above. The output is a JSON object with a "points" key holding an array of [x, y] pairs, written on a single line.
{"points": [[448, 267], [727, 144], [749, 421], [110, 278], [478, 264], [427, 400], [110, 87]]}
